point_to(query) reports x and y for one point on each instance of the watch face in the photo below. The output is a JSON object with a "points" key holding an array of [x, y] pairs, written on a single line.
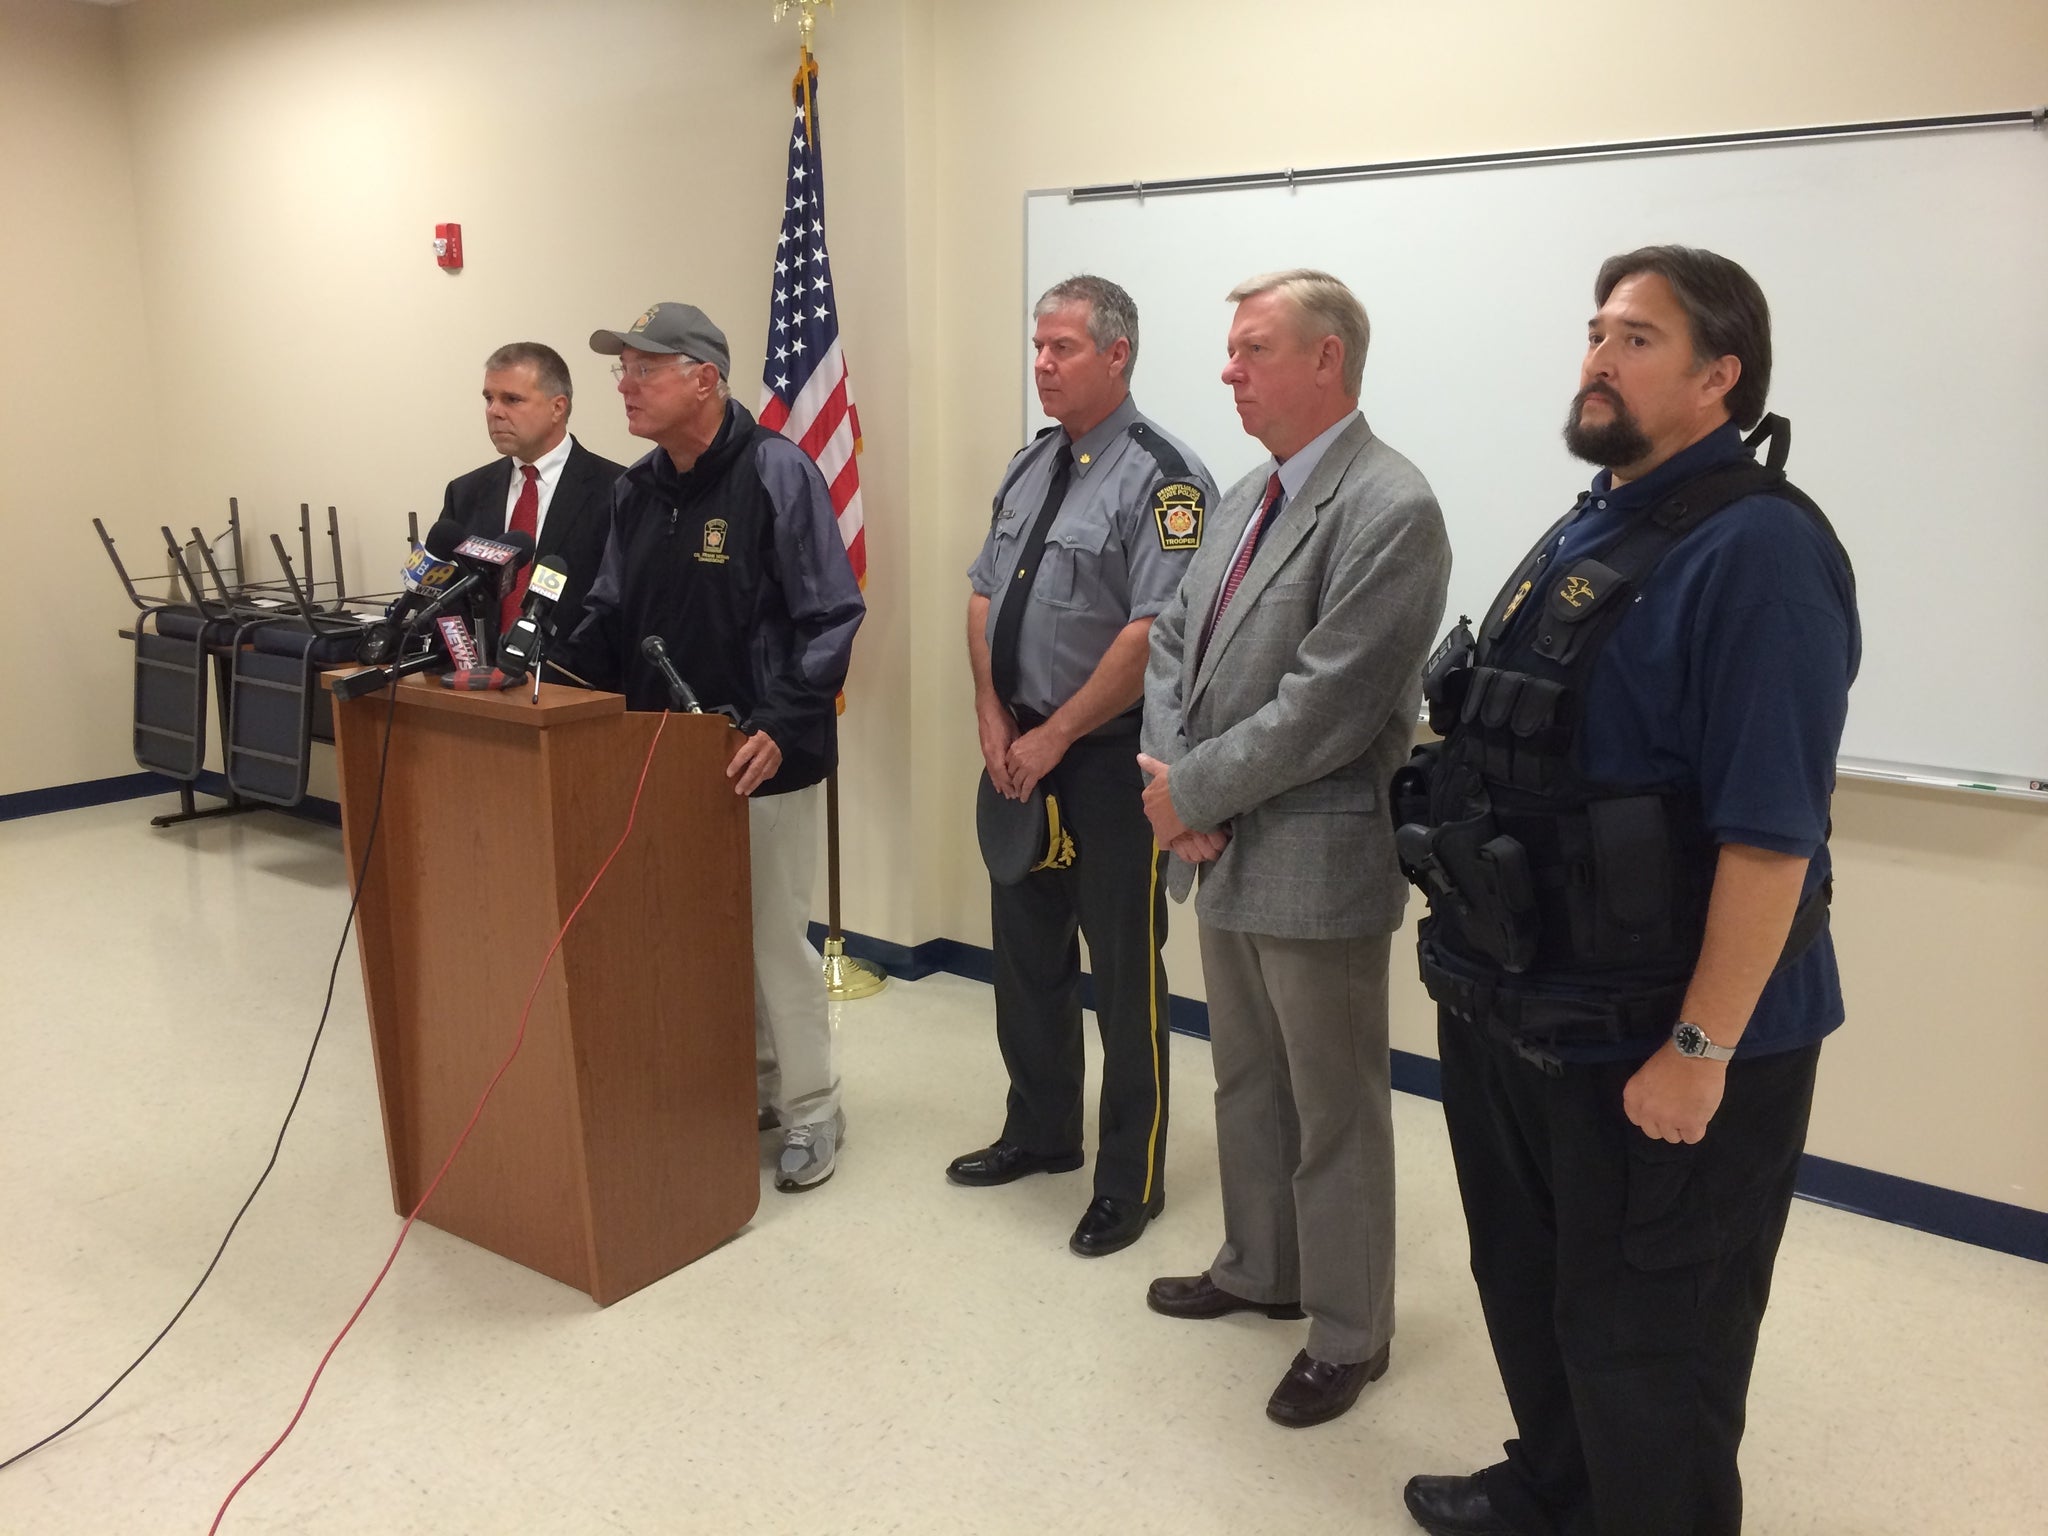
{"points": [[1690, 1039]]}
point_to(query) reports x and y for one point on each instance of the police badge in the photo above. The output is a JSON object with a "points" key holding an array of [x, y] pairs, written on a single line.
{"points": [[1177, 509]]}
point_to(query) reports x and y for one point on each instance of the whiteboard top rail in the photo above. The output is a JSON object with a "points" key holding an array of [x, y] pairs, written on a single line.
{"points": [[1290, 177]]}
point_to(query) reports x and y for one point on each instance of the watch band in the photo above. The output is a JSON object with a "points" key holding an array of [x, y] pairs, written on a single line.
{"points": [[1690, 1040]]}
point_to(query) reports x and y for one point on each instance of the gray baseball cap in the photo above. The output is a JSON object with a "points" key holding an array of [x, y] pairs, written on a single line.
{"points": [[682, 329]]}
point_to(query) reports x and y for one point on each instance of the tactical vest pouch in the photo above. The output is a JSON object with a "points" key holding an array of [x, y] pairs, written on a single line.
{"points": [[1522, 722], [1618, 878], [1495, 906], [1585, 590]]}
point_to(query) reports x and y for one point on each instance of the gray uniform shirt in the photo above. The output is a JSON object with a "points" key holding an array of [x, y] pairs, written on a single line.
{"points": [[1119, 543]]}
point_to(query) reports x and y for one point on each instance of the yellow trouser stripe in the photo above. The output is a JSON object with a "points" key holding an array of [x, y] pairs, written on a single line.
{"points": [[1152, 986]]}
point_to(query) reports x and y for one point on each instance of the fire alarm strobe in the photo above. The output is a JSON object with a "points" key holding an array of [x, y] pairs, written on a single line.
{"points": [[448, 247]]}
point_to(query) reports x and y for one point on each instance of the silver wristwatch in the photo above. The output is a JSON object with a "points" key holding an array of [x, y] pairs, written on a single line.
{"points": [[1690, 1040]]}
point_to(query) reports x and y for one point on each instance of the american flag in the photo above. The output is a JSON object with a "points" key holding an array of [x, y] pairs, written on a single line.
{"points": [[805, 392]]}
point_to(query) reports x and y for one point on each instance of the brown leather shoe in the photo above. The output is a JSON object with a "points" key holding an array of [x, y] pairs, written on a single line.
{"points": [[1197, 1296], [1315, 1391]]}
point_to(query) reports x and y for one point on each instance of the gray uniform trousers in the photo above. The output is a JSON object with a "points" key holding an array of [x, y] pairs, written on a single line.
{"points": [[1304, 1130]]}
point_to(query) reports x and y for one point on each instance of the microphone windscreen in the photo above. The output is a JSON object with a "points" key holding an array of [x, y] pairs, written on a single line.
{"points": [[444, 536], [550, 576]]}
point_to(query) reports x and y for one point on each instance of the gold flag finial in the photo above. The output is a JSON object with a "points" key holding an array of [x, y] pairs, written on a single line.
{"points": [[807, 22]]}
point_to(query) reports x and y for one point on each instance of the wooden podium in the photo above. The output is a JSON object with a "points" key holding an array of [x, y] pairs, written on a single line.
{"points": [[621, 1144]]}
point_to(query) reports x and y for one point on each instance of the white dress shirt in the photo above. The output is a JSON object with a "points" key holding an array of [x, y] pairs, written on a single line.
{"points": [[550, 466]]}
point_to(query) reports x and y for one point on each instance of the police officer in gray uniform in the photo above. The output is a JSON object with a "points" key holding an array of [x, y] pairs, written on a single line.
{"points": [[1094, 523]]}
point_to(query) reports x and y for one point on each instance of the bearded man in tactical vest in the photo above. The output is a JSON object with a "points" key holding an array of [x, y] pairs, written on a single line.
{"points": [[1623, 838]]}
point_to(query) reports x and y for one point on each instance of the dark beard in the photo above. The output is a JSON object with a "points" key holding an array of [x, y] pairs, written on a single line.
{"points": [[1620, 441]]}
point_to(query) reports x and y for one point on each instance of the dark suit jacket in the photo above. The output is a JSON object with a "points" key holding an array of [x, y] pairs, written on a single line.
{"points": [[579, 518]]}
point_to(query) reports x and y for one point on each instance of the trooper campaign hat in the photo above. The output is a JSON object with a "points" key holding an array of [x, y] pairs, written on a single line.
{"points": [[1020, 837]]}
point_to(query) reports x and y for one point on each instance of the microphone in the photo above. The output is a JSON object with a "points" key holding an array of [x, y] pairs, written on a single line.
{"points": [[424, 576], [519, 651], [489, 564], [655, 649]]}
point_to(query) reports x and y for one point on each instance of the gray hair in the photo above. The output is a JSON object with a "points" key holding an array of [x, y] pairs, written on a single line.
{"points": [[548, 367], [1112, 316], [1325, 307]]}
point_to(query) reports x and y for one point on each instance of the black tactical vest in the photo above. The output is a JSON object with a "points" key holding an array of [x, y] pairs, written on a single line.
{"points": [[1564, 911]]}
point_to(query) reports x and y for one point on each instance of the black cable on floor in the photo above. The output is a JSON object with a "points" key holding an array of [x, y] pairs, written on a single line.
{"points": [[333, 971]]}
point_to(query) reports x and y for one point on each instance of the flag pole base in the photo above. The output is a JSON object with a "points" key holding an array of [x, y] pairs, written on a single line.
{"points": [[847, 979]]}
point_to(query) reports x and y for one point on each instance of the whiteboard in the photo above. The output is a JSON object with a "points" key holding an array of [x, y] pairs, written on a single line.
{"points": [[1908, 281]]}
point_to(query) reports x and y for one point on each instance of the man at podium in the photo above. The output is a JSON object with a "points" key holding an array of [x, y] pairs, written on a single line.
{"points": [[724, 543]]}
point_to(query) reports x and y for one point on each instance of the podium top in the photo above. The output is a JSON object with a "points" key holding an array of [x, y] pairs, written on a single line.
{"points": [[559, 704]]}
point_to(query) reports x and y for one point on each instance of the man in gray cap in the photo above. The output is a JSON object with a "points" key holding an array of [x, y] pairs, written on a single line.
{"points": [[1092, 526], [723, 542]]}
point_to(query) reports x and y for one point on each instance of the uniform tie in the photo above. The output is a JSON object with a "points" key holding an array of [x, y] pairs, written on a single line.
{"points": [[525, 519], [1002, 648], [1243, 561]]}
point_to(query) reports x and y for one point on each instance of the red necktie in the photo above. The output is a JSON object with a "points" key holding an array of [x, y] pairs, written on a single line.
{"points": [[1244, 558], [526, 519]]}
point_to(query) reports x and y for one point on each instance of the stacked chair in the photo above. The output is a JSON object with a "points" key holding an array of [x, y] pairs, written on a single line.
{"points": [[257, 647]]}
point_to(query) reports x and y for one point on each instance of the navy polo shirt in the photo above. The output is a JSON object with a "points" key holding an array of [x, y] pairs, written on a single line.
{"points": [[1730, 675]]}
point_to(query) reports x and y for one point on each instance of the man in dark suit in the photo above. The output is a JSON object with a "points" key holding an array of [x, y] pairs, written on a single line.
{"points": [[544, 474], [1280, 696]]}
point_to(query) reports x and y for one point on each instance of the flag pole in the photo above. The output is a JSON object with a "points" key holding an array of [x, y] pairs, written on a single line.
{"points": [[846, 978], [807, 19]]}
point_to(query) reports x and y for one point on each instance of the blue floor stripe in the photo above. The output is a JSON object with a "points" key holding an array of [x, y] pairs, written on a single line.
{"points": [[141, 786], [2013, 1229]]}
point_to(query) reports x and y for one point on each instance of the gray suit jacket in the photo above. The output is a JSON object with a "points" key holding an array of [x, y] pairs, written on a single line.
{"points": [[1305, 702]]}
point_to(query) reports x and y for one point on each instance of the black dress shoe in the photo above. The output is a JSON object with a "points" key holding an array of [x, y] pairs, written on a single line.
{"points": [[1002, 1163], [1109, 1224], [1197, 1296], [765, 1118], [1453, 1506], [1315, 1391]]}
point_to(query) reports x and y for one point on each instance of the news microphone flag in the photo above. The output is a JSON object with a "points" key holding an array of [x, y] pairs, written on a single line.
{"points": [[423, 573], [806, 394]]}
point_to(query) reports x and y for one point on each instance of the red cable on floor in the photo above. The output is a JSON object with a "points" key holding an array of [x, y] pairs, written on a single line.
{"points": [[475, 1114]]}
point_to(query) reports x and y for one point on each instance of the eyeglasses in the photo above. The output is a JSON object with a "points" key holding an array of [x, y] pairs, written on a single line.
{"points": [[640, 373]]}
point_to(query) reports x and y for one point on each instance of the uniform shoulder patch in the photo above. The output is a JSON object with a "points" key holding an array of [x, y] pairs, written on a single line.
{"points": [[1177, 507]]}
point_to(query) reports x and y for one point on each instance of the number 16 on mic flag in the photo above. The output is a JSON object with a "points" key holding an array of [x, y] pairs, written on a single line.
{"points": [[805, 392]]}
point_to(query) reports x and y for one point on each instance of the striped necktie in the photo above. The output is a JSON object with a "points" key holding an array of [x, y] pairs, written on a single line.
{"points": [[1243, 561]]}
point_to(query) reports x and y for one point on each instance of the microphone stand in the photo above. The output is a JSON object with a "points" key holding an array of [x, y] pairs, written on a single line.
{"points": [[375, 679]]}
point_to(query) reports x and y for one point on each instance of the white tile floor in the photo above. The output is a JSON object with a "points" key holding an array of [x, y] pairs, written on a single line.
{"points": [[888, 1353]]}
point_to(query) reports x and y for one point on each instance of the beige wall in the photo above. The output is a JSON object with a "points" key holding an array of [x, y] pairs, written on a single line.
{"points": [[290, 160], [293, 159], [78, 423]]}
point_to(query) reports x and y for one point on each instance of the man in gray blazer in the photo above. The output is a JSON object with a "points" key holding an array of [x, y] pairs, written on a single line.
{"points": [[1280, 697]]}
